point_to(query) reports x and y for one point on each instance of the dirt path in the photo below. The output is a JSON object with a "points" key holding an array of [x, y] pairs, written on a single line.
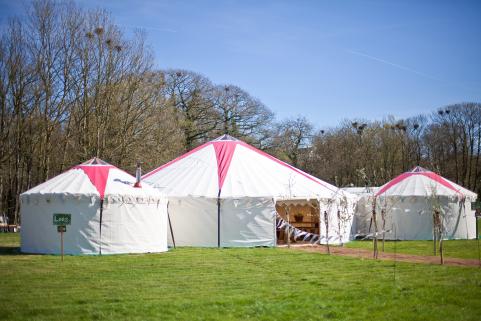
{"points": [[367, 254]]}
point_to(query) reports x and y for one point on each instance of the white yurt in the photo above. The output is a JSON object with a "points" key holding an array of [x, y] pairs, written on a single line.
{"points": [[224, 193], [409, 200], [108, 213]]}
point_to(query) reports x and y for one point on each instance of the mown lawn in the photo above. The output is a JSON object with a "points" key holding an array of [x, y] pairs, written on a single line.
{"points": [[464, 249], [231, 284]]}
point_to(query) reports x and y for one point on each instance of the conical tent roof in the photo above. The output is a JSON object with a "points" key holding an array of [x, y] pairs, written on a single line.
{"points": [[422, 182], [92, 178], [230, 168]]}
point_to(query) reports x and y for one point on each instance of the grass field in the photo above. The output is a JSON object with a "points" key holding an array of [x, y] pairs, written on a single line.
{"points": [[231, 284], [464, 249]]}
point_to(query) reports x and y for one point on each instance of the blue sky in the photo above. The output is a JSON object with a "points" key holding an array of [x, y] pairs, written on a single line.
{"points": [[326, 60]]}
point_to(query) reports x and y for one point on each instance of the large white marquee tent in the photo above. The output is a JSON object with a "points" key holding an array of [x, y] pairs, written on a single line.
{"points": [[108, 214], [410, 199], [223, 193]]}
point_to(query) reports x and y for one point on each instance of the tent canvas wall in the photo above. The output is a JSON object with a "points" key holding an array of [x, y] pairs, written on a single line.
{"points": [[108, 214], [223, 193], [361, 225], [409, 201]]}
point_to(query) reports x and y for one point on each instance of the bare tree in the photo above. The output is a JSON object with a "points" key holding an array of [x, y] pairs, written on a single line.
{"points": [[293, 137]]}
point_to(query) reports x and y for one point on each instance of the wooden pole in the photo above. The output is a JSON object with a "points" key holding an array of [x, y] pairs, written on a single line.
{"points": [[374, 220], [441, 250], [320, 222], [218, 219], [441, 228], [383, 216], [170, 227], [434, 233], [326, 222], [339, 226], [288, 226]]}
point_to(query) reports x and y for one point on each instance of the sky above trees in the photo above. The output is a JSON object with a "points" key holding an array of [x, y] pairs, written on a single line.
{"points": [[327, 60]]}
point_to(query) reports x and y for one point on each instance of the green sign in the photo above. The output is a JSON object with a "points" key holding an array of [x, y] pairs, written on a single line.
{"points": [[62, 219]]}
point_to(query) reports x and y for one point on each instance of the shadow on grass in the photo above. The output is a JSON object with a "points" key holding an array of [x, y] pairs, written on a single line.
{"points": [[9, 250]]}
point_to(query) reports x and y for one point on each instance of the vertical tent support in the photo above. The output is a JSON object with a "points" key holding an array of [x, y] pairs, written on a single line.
{"points": [[320, 223], [170, 225], [275, 222], [100, 228], [218, 219]]}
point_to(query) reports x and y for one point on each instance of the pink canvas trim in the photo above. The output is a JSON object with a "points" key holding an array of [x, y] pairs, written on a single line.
{"points": [[98, 176], [176, 160], [298, 171], [393, 182], [224, 151], [435, 177], [440, 180]]}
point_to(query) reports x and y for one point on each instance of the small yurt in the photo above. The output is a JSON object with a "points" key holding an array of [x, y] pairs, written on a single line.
{"points": [[224, 193], [108, 213], [409, 200]]}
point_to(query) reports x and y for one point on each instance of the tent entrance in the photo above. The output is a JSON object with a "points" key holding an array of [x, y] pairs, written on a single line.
{"points": [[301, 214]]}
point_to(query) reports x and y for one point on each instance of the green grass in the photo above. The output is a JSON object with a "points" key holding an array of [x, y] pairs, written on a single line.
{"points": [[464, 249], [231, 284]]}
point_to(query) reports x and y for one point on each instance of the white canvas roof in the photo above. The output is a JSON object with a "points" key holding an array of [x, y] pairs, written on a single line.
{"points": [[93, 178], [422, 182], [230, 168]]}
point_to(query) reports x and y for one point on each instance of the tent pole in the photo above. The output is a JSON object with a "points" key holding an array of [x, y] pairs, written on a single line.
{"points": [[100, 228], [218, 219], [170, 225], [320, 222], [275, 221]]}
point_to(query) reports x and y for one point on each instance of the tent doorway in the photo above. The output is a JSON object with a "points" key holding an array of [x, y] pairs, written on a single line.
{"points": [[302, 214]]}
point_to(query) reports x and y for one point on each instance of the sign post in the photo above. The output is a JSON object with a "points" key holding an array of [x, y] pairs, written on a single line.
{"points": [[61, 220]]}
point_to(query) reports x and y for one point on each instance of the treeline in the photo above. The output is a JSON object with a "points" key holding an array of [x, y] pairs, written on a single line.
{"points": [[73, 86], [363, 153]]}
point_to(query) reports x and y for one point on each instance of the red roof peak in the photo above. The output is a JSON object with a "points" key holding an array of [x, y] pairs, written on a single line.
{"points": [[98, 172], [223, 153]]}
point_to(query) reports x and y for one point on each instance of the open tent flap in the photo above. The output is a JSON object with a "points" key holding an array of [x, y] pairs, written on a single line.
{"points": [[338, 213]]}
